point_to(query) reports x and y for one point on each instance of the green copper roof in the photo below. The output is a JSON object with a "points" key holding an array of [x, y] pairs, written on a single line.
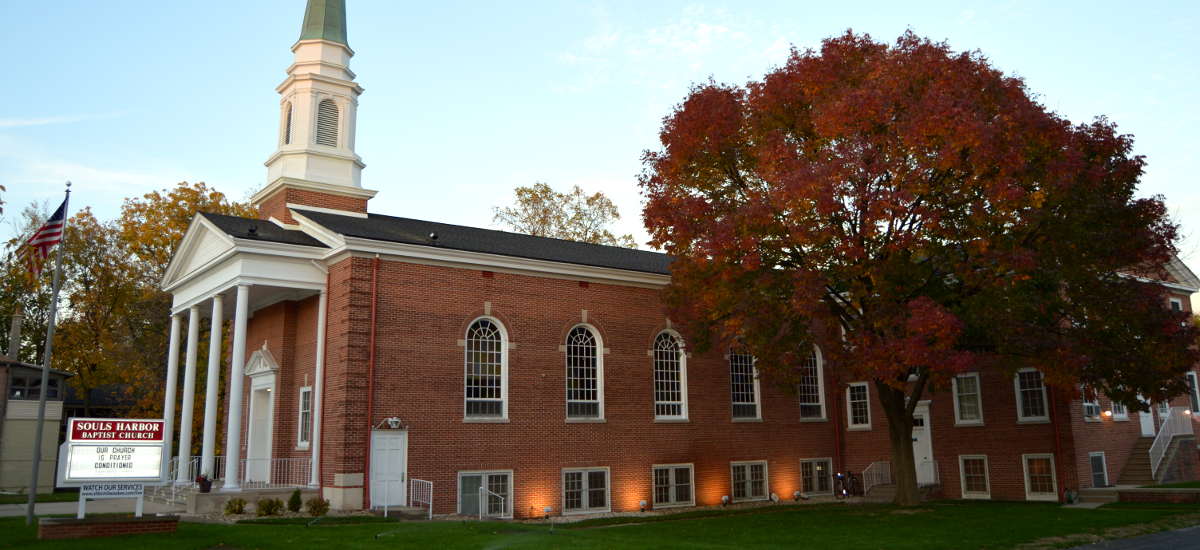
{"points": [[325, 20]]}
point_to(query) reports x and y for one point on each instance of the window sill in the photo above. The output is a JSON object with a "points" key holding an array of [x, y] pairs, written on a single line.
{"points": [[304, 447], [747, 420], [1095, 419], [865, 428], [585, 421], [1033, 421], [587, 512], [822, 419], [969, 424], [674, 505], [755, 499], [977, 496], [1120, 419], [485, 420], [1043, 498], [671, 420]]}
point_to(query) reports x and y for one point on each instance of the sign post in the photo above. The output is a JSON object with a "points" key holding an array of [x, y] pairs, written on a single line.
{"points": [[112, 458]]}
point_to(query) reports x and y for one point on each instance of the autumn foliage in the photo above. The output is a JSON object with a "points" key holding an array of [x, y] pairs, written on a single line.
{"points": [[915, 213]]}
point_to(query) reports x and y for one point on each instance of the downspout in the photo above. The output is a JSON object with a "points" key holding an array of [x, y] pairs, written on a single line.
{"points": [[1059, 473], [370, 387], [839, 463]]}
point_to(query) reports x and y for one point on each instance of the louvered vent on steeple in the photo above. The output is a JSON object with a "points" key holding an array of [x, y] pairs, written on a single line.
{"points": [[327, 123], [287, 123]]}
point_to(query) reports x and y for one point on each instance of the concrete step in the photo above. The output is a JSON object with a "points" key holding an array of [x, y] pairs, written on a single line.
{"points": [[403, 512], [1098, 495]]}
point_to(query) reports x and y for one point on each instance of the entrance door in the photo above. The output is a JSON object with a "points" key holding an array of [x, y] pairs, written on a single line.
{"points": [[1146, 419], [923, 446], [258, 441], [389, 468]]}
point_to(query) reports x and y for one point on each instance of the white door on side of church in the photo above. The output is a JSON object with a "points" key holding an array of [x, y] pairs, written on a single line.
{"points": [[389, 468], [923, 446]]}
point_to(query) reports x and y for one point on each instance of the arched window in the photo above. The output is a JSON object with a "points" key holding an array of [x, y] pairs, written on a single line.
{"points": [[670, 378], [327, 123], [743, 381], [287, 123], [811, 388], [585, 374], [486, 370]]}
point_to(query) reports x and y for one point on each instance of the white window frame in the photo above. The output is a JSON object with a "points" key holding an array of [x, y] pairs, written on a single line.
{"points": [[962, 477], [691, 485], [766, 480], [503, 371], [304, 437], [512, 489], [850, 424], [1053, 477], [683, 382], [756, 388], [1121, 415], [599, 376], [1103, 460], [820, 364], [958, 419], [1021, 419], [584, 498], [1084, 403], [829, 467], [1172, 302], [1193, 391]]}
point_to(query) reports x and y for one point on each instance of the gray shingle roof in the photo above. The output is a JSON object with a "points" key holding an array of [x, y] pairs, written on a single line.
{"points": [[473, 239], [260, 230]]}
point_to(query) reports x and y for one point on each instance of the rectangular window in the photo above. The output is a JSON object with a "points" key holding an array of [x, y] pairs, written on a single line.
{"points": [[304, 425], [672, 485], [1031, 396], [811, 389], [1193, 392], [1099, 469], [30, 387], [585, 490], [817, 476], [1091, 404], [744, 385], [1040, 483], [968, 410], [1176, 304], [492, 489], [975, 483], [858, 406], [749, 480], [1120, 411]]}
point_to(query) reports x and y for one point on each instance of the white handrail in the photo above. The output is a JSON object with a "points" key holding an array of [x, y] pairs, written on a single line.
{"points": [[421, 492], [483, 494], [878, 473], [1177, 423]]}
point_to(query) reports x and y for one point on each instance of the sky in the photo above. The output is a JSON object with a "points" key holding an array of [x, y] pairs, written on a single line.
{"points": [[466, 100]]}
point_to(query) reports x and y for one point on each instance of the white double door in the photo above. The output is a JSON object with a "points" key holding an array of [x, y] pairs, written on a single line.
{"points": [[389, 468]]}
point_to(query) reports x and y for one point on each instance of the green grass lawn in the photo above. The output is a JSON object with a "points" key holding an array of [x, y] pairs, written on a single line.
{"points": [[947, 525], [42, 497]]}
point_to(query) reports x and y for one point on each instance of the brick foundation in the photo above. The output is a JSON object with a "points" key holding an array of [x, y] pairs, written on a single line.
{"points": [[1159, 495], [104, 526]]}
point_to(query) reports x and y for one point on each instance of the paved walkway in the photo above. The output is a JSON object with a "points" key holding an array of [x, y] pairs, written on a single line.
{"points": [[104, 506], [1179, 539]]}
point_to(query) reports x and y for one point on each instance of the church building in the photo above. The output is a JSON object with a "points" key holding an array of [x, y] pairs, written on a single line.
{"points": [[389, 361]]}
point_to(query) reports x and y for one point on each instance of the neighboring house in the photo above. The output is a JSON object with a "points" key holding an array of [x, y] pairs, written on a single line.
{"points": [[517, 373], [21, 384]]}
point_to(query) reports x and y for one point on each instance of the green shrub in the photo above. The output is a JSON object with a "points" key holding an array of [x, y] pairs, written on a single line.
{"points": [[317, 506], [235, 506], [294, 501], [268, 507]]}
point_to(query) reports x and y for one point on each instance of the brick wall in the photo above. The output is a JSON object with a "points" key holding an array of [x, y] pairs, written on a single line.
{"points": [[104, 526], [276, 204]]}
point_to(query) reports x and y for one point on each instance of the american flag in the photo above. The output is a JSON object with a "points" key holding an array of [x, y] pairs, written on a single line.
{"points": [[37, 248]]}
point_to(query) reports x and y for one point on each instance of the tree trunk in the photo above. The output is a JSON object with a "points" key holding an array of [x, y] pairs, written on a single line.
{"points": [[900, 423]]}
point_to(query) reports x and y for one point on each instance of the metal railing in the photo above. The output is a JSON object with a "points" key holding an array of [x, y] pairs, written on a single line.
{"points": [[928, 470], [1177, 423], [420, 492], [485, 504], [262, 472], [878, 473]]}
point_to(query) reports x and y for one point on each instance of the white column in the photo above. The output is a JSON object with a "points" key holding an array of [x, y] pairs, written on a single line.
{"points": [[169, 400], [318, 394], [189, 396], [210, 390], [233, 431]]}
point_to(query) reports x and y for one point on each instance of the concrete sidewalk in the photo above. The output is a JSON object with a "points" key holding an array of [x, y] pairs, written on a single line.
{"points": [[104, 506]]}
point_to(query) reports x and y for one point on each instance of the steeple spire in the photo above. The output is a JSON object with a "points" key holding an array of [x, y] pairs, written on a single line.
{"points": [[325, 20]]}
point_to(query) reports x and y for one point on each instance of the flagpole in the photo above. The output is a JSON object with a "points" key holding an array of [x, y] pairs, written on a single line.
{"points": [[48, 349]]}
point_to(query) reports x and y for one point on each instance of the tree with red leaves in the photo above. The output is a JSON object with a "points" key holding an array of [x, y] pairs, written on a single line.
{"points": [[914, 213]]}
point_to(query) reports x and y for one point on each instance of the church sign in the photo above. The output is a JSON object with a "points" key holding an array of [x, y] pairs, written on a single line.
{"points": [[111, 449]]}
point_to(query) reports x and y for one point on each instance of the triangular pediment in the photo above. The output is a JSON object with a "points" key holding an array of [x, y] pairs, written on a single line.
{"points": [[203, 243], [261, 362]]}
